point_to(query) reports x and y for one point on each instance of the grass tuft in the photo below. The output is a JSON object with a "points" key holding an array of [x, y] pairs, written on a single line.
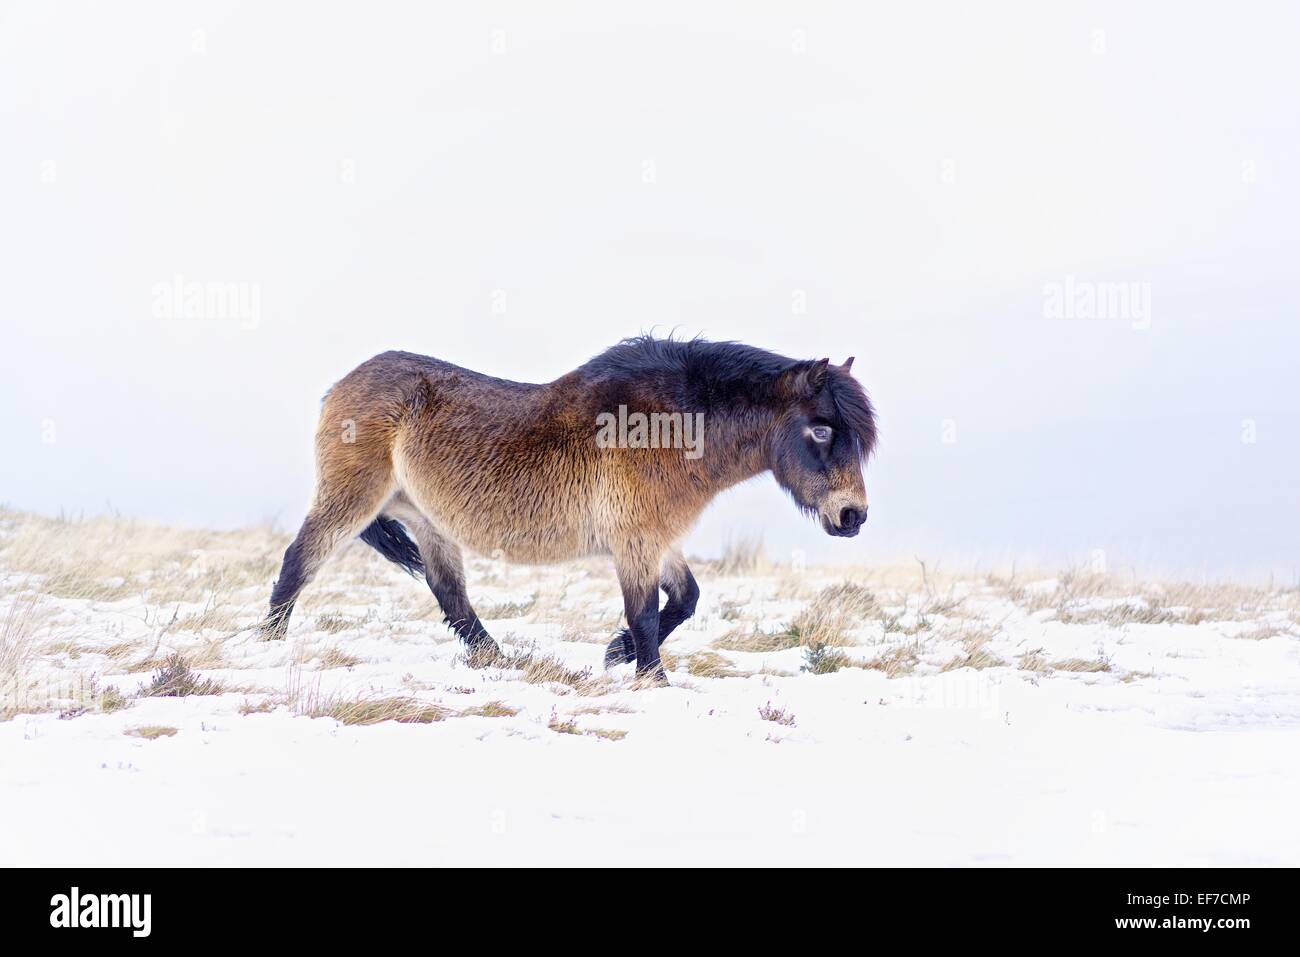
{"points": [[367, 709], [1082, 664], [492, 709], [150, 731]]}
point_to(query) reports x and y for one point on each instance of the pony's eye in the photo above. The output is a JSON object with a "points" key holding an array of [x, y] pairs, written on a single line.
{"points": [[821, 433]]}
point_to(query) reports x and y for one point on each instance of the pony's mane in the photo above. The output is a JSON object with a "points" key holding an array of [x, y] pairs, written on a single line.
{"points": [[725, 374], [855, 409]]}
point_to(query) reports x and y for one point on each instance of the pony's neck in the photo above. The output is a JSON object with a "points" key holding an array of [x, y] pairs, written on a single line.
{"points": [[738, 446]]}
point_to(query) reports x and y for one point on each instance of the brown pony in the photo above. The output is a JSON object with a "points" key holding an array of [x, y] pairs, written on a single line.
{"points": [[617, 458]]}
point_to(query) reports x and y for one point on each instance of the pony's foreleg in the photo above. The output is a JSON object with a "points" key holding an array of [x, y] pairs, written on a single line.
{"points": [[683, 594], [639, 580]]}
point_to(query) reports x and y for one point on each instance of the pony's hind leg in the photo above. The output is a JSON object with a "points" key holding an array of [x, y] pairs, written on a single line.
{"points": [[340, 512], [444, 570], [324, 529], [683, 594]]}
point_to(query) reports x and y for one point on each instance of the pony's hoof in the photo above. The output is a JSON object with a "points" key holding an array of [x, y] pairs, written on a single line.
{"points": [[482, 654], [620, 650], [651, 678]]}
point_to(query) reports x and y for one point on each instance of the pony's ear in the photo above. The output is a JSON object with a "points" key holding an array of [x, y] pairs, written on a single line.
{"points": [[805, 380], [848, 364]]}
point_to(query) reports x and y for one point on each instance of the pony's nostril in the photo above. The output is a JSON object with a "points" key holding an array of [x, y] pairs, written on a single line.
{"points": [[850, 518]]}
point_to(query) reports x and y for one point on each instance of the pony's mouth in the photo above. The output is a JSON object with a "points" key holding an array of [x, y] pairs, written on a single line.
{"points": [[838, 532]]}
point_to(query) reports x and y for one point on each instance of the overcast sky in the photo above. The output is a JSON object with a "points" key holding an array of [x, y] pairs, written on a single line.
{"points": [[919, 185]]}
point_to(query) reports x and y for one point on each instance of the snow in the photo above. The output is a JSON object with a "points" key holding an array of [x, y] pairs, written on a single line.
{"points": [[1183, 752]]}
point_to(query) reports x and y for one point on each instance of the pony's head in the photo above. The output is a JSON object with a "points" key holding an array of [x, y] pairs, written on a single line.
{"points": [[821, 441]]}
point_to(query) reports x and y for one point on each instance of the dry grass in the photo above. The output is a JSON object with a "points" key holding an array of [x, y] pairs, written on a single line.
{"points": [[567, 725], [112, 557], [1084, 597], [197, 586], [1034, 661], [977, 659], [492, 709], [332, 623], [604, 709], [370, 709], [563, 725], [702, 664], [609, 734], [1261, 633], [827, 619], [219, 614], [1081, 664], [974, 654], [751, 638], [506, 609], [150, 731], [17, 653], [896, 662], [258, 707], [740, 556], [1131, 676], [547, 669], [1126, 613], [336, 657]]}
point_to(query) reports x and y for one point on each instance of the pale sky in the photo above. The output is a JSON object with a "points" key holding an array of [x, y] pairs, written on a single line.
{"points": [[514, 192]]}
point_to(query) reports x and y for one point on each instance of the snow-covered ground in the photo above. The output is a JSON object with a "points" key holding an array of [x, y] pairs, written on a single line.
{"points": [[816, 716]]}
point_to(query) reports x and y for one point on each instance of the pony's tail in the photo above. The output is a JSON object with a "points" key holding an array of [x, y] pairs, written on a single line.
{"points": [[389, 539]]}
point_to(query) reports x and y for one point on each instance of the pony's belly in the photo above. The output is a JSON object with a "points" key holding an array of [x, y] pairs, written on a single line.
{"points": [[515, 515], [528, 547]]}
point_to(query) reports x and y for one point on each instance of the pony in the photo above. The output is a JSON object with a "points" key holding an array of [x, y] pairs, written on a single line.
{"points": [[423, 459]]}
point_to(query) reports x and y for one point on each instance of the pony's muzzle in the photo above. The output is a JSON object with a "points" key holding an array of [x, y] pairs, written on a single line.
{"points": [[850, 521]]}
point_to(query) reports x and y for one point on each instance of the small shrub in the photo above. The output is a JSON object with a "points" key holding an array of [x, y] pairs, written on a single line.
{"points": [[821, 659], [175, 679], [569, 726], [779, 715], [562, 725], [110, 700]]}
